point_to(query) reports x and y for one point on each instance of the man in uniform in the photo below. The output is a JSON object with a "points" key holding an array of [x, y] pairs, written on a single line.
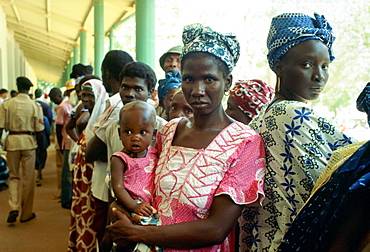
{"points": [[22, 117]]}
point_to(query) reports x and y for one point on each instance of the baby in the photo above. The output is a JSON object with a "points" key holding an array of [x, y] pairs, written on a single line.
{"points": [[132, 168]]}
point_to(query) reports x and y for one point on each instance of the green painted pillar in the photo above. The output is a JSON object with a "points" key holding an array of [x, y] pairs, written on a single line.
{"points": [[98, 35], [75, 56], [64, 79], [111, 39], [83, 47], [70, 65], [59, 85], [145, 34]]}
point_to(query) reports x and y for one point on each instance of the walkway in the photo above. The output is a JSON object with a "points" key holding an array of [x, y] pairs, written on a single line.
{"points": [[49, 230]]}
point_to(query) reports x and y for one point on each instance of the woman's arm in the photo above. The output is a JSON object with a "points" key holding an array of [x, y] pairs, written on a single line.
{"points": [[82, 121], [118, 167], [187, 235], [71, 128]]}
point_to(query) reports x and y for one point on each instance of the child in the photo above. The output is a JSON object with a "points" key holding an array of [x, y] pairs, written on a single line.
{"points": [[133, 163], [132, 176], [179, 106], [166, 89]]}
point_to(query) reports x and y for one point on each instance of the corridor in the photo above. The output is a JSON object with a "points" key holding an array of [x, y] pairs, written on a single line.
{"points": [[49, 230]]}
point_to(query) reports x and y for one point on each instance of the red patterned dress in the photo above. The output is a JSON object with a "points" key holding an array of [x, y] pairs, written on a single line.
{"points": [[82, 234]]}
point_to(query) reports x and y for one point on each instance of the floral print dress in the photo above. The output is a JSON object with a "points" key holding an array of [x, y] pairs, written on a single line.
{"points": [[298, 145]]}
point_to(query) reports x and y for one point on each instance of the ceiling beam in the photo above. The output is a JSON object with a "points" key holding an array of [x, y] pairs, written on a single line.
{"points": [[46, 41], [32, 50], [26, 27], [87, 15], [16, 12], [48, 21], [47, 50]]}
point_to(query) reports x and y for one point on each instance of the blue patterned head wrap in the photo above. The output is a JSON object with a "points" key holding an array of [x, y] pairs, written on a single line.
{"points": [[290, 29], [363, 101], [173, 80], [197, 38]]}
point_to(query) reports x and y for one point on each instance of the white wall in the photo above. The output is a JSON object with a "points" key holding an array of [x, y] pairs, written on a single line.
{"points": [[12, 60], [3, 51]]}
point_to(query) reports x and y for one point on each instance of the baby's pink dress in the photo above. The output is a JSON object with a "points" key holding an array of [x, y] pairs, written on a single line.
{"points": [[187, 180], [138, 178]]}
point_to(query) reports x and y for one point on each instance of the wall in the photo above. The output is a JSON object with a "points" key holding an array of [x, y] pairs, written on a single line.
{"points": [[12, 60]]}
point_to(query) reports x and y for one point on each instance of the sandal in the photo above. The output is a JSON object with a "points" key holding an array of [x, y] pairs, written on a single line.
{"points": [[13, 216], [33, 215]]}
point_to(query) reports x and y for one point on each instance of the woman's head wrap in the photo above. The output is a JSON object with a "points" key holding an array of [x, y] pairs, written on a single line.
{"points": [[251, 95], [363, 101], [290, 29], [197, 38], [173, 80], [96, 86]]}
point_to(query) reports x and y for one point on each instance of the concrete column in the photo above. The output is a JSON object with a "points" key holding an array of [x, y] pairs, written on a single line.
{"points": [[76, 59], [83, 47], [111, 40], [64, 77], [68, 71], [145, 25], [98, 35]]}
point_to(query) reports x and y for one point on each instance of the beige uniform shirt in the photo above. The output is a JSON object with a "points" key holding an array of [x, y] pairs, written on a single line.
{"points": [[21, 114]]}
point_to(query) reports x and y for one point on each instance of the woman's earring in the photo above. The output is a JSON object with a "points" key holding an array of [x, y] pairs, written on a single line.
{"points": [[278, 83], [227, 92]]}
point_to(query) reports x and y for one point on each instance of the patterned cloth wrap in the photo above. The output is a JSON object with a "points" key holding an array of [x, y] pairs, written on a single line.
{"points": [[251, 95], [363, 101], [197, 38], [290, 29], [173, 80], [146, 221], [4, 170]]}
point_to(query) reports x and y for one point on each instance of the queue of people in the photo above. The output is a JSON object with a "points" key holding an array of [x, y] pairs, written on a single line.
{"points": [[268, 173]]}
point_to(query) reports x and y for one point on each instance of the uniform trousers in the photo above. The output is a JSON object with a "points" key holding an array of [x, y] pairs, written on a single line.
{"points": [[21, 164]]}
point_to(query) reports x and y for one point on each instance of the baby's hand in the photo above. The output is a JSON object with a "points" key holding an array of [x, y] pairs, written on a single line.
{"points": [[143, 209]]}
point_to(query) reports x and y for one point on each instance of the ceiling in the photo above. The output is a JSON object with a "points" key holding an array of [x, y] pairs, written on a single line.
{"points": [[47, 30]]}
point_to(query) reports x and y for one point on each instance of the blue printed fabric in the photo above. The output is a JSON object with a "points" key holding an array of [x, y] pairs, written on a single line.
{"points": [[298, 145], [339, 206], [363, 101], [197, 38], [290, 29], [4, 171]]}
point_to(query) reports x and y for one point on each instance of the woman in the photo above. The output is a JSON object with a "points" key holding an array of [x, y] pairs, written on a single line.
{"points": [[210, 166], [78, 120], [179, 106], [247, 99], [82, 234], [336, 217], [298, 141], [166, 89]]}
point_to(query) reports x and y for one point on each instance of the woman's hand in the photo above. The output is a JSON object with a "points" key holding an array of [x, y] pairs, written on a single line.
{"points": [[186, 235], [121, 230]]}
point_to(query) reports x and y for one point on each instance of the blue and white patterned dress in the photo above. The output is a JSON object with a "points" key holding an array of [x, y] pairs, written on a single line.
{"points": [[298, 145]]}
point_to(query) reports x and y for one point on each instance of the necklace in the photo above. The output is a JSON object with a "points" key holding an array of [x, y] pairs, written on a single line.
{"points": [[134, 154], [274, 101]]}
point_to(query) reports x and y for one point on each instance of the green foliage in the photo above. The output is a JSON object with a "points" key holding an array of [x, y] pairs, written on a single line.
{"points": [[45, 86]]}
